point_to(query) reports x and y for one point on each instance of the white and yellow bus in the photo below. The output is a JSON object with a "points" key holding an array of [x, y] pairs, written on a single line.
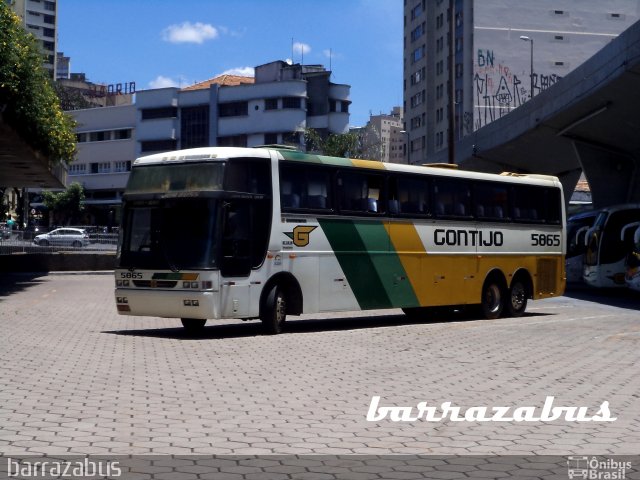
{"points": [[217, 233]]}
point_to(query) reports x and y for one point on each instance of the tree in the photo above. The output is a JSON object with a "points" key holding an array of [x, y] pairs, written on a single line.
{"points": [[346, 145], [70, 98], [28, 102], [66, 206]]}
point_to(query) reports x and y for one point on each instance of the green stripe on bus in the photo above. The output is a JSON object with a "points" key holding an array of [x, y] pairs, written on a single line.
{"points": [[387, 263], [310, 158], [356, 263]]}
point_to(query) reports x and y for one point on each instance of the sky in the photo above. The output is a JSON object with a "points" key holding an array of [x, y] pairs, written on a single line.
{"points": [[159, 43]]}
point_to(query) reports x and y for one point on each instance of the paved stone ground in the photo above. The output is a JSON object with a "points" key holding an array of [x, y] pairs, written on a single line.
{"points": [[77, 378]]}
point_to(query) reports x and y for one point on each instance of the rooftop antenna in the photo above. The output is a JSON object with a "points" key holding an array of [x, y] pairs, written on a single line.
{"points": [[292, 50], [330, 53]]}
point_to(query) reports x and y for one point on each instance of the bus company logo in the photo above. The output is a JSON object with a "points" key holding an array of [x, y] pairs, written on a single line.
{"points": [[301, 235], [593, 468]]}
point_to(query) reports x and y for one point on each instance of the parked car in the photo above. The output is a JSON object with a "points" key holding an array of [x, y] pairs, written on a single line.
{"points": [[5, 232], [73, 237]]}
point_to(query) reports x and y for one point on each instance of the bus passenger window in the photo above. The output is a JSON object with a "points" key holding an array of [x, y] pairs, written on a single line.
{"points": [[361, 192], [453, 197], [413, 195], [289, 199]]}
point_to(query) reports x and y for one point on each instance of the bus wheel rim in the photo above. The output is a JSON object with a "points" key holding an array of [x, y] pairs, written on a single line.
{"points": [[517, 296]]}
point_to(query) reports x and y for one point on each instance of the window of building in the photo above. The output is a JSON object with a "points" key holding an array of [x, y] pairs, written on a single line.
{"points": [[233, 141], [48, 32], [51, 6], [51, 19], [271, 104], [291, 102], [99, 136], [122, 134], [77, 169], [417, 54], [194, 126], [417, 11], [270, 138], [161, 112], [344, 107], [122, 166], [158, 145], [233, 109]]}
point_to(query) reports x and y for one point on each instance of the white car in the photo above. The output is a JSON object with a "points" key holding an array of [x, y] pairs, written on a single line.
{"points": [[71, 237]]}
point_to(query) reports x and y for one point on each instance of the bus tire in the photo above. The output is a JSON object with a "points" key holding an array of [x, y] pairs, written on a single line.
{"points": [[492, 301], [516, 303], [274, 311], [193, 325]]}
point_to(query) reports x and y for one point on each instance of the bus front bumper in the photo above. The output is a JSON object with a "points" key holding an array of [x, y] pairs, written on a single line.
{"points": [[167, 304]]}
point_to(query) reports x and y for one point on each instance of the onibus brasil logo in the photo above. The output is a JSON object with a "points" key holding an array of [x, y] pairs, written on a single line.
{"points": [[301, 235]]}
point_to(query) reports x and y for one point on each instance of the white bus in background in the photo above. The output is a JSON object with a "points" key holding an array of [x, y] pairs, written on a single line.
{"points": [[608, 243], [632, 276], [577, 227]]}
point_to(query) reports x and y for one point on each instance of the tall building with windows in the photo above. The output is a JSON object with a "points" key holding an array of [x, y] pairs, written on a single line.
{"points": [[40, 17], [503, 51], [383, 137]]}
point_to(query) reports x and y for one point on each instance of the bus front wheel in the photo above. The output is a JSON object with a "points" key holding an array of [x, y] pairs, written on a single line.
{"points": [[274, 311], [193, 325], [492, 301]]}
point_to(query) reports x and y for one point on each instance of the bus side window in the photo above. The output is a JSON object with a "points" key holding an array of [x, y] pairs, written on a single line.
{"points": [[452, 197]]}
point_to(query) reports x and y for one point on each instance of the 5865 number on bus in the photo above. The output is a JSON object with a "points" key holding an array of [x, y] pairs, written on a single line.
{"points": [[545, 240]]}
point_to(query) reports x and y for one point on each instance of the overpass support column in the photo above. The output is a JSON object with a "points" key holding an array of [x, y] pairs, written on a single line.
{"points": [[612, 176]]}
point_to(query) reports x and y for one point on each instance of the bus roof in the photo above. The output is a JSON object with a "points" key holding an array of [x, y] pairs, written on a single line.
{"points": [[288, 154]]}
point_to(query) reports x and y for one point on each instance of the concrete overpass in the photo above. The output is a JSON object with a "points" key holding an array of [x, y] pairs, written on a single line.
{"points": [[589, 121]]}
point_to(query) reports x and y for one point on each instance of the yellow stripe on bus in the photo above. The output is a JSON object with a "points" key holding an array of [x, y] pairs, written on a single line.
{"points": [[410, 250], [367, 164]]}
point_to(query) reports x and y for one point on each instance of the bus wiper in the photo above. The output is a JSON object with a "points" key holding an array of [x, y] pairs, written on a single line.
{"points": [[172, 266]]}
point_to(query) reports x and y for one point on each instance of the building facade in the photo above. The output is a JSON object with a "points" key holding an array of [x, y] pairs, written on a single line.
{"points": [[40, 18], [383, 137], [502, 51], [274, 107]]}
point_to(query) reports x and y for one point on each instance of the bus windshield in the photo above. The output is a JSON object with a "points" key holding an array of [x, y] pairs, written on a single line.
{"points": [[170, 234]]}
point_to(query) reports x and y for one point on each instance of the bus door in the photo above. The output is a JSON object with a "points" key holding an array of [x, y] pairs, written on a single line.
{"points": [[245, 233]]}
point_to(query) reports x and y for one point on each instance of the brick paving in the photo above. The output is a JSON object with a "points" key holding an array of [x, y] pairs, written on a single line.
{"points": [[78, 378]]}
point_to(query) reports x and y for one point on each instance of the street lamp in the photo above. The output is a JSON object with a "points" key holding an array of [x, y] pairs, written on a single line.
{"points": [[530, 40]]}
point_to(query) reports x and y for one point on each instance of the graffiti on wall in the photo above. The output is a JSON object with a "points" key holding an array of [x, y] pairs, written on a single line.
{"points": [[498, 89]]}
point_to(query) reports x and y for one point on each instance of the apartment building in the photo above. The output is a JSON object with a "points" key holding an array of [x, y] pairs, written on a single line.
{"points": [[40, 17], [496, 54], [383, 137]]}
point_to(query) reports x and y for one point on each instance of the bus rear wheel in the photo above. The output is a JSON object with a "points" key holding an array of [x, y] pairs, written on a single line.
{"points": [[517, 302], [193, 325], [274, 311], [492, 301]]}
